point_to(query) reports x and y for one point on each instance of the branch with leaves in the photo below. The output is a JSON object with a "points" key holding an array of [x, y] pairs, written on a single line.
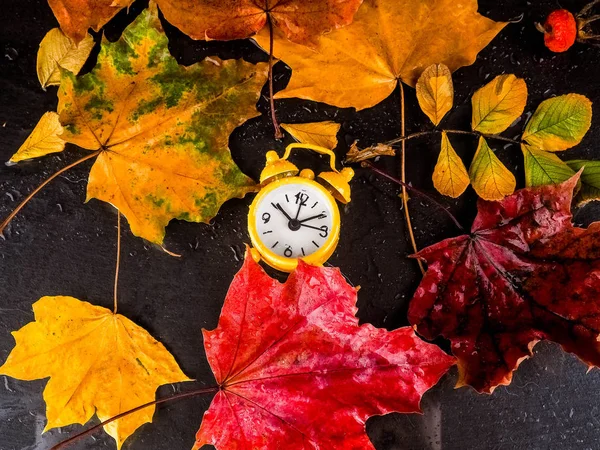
{"points": [[557, 124]]}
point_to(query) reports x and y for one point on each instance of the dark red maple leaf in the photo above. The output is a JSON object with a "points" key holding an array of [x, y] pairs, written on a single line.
{"points": [[523, 274], [297, 371]]}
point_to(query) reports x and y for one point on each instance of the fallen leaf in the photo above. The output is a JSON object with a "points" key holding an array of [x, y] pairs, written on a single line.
{"points": [[590, 180], [299, 20], [559, 123], [490, 178], [355, 154], [450, 176], [162, 129], [98, 363], [43, 140], [498, 104], [544, 167], [524, 274], [58, 51], [389, 40], [435, 92], [297, 371], [323, 134], [76, 16]]}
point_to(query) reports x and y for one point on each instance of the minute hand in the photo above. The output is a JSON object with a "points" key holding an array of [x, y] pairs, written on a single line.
{"points": [[318, 216]]}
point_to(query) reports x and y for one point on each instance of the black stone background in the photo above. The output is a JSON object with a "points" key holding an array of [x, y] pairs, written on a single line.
{"points": [[60, 246]]}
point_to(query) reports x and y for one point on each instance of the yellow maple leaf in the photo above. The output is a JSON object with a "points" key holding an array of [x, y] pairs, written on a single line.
{"points": [[98, 363], [160, 130], [58, 51], [323, 134], [389, 40], [43, 140]]}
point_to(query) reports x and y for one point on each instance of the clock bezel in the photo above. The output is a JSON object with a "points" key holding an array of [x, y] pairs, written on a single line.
{"points": [[289, 264]]}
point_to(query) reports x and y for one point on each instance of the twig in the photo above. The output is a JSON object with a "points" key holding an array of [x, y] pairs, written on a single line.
{"points": [[468, 133], [415, 191], [41, 186], [91, 430], [587, 8], [487, 136], [118, 259], [278, 132], [403, 176], [411, 136], [355, 155]]}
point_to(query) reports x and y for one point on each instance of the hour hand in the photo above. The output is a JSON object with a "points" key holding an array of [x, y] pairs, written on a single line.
{"points": [[318, 216], [279, 207]]}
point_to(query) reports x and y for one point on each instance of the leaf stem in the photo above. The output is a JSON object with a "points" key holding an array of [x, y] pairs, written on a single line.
{"points": [[93, 429], [278, 133], [403, 176], [41, 186], [118, 260], [415, 191]]}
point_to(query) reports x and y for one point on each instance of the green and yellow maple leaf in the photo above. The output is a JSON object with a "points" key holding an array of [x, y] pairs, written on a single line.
{"points": [[161, 130]]}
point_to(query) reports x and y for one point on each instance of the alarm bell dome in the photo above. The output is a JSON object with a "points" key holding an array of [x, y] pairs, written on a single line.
{"points": [[338, 183], [276, 168]]}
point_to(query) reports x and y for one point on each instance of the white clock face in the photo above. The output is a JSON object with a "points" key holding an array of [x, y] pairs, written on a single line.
{"points": [[294, 220]]}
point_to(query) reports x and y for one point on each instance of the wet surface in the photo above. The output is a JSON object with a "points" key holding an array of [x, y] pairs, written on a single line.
{"points": [[58, 245]]}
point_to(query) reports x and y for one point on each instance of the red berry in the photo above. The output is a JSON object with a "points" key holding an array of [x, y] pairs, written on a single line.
{"points": [[560, 30]]}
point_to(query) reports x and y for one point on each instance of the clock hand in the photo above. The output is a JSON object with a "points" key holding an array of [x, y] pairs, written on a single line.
{"points": [[310, 226], [298, 212], [318, 216], [278, 206]]}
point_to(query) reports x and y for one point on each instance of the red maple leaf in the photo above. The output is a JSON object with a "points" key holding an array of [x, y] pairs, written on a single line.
{"points": [[296, 371], [523, 274]]}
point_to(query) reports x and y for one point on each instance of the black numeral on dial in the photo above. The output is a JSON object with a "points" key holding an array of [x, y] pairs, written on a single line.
{"points": [[324, 231], [301, 198]]}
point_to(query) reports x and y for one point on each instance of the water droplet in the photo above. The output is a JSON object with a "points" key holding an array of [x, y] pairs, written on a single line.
{"points": [[237, 252], [11, 54]]}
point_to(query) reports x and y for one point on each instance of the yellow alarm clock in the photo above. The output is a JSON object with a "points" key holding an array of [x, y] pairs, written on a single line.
{"points": [[293, 216]]}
